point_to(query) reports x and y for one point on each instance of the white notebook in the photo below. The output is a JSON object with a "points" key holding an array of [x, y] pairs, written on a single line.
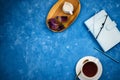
{"points": [[109, 35]]}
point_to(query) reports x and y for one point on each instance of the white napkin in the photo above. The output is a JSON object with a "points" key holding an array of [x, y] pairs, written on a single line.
{"points": [[109, 35]]}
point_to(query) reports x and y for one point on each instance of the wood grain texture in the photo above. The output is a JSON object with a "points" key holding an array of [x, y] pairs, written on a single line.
{"points": [[56, 10]]}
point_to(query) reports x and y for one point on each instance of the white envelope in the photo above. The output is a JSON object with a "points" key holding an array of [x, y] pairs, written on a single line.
{"points": [[109, 35]]}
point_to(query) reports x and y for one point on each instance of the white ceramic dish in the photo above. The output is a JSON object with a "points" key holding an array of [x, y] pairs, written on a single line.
{"points": [[90, 58]]}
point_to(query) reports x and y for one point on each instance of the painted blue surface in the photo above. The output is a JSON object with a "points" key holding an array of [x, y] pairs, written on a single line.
{"points": [[30, 51]]}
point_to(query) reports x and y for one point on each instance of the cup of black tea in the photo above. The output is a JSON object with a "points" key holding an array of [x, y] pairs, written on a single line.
{"points": [[89, 69]]}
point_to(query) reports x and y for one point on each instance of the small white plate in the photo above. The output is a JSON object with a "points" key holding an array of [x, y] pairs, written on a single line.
{"points": [[90, 58]]}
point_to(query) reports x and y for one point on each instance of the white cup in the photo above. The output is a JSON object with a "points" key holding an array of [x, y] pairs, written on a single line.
{"points": [[89, 69]]}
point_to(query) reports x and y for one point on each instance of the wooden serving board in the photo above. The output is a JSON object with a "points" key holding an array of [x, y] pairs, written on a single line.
{"points": [[56, 10]]}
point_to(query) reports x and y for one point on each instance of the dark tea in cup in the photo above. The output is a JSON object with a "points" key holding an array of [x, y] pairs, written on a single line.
{"points": [[89, 69]]}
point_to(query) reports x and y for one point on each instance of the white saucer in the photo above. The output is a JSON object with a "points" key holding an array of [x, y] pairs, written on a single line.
{"points": [[90, 58]]}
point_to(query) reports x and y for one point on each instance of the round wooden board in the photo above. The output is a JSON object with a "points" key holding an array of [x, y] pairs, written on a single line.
{"points": [[56, 10]]}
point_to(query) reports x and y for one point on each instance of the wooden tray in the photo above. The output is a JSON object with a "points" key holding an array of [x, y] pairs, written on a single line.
{"points": [[56, 10]]}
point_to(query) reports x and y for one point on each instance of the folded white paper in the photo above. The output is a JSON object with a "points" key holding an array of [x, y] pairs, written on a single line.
{"points": [[109, 35]]}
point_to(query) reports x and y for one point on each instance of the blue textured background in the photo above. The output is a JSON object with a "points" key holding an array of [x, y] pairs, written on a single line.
{"points": [[30, 51]]}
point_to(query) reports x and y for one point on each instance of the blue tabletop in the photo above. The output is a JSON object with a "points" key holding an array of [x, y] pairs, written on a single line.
{"points": [[30, 51]]}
